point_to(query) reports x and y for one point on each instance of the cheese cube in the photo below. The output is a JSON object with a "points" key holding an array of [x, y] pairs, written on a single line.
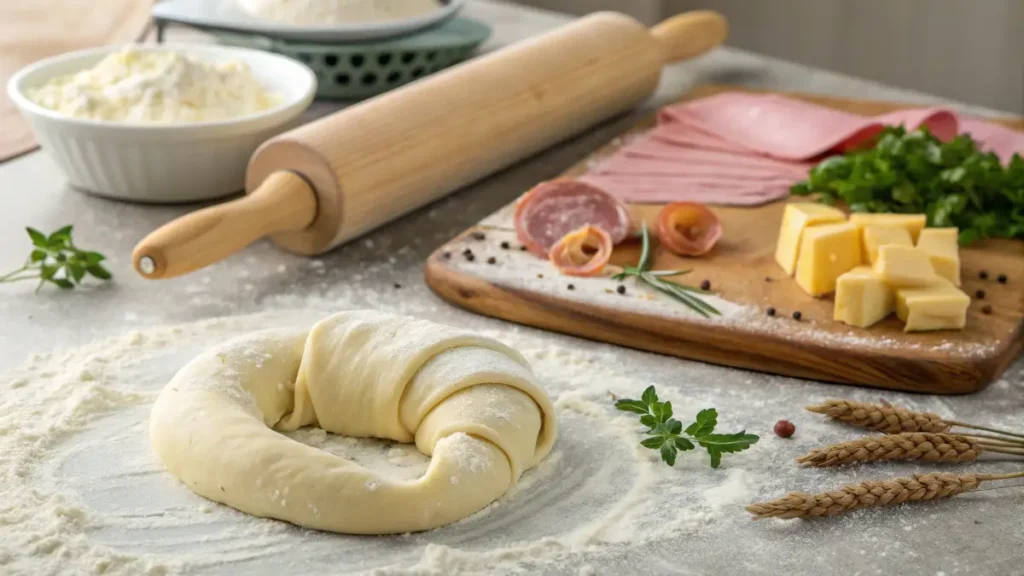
{"points": [[943, 250], [863, 298], [874, 236], [794, 220], [826, 252], [940, 306], [905, 266], [914, 223]]}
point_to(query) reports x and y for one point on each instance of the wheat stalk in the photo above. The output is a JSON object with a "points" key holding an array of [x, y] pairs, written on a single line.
{"points": [[926, 446], [871, 494], [888, 419]]}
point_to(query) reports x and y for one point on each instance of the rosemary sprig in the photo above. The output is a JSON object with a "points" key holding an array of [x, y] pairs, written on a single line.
{"points": [[57, 260], [666, 434], [686, 294]]}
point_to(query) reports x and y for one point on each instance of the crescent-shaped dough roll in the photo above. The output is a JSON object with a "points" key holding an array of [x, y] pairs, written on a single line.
{"points": [[471, 403]]}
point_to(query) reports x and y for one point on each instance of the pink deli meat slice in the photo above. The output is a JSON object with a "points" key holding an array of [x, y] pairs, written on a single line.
{"points": [[621, 165], [793, 129], [660, 191], [654, 148], [553, 209], [992, 137]]}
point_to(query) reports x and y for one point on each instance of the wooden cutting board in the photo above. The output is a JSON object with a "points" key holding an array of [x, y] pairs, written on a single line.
{"points": [[31, 30], [514, 285]]}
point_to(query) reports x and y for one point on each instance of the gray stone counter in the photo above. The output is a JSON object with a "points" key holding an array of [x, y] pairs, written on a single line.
{"points": [[385, 268]]}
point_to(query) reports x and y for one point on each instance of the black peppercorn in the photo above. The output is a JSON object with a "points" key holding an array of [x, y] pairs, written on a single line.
{"points": [[492, 260], [983, 275], [397, 285], [478, 235], [571, 286], [705, 285], [504, 245], [540, 275], [980, 294], [770, 311], [522, 248], [470, 256], [1002, 279], [987, 309], [621, 289], [797, 315]]}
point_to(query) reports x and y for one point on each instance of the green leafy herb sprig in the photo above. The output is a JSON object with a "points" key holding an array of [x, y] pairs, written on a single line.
{"points": [[954, 183], [685, 294], [666, 434], [56, 259]]}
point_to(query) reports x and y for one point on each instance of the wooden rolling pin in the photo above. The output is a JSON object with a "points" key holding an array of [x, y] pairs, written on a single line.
{"points": [[332, 180]]}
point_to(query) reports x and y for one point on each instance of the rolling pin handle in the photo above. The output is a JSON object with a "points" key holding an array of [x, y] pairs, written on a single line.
{"points": [[691, 34], [284, 202]]}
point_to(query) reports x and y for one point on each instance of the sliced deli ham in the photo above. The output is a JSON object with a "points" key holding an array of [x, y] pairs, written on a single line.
{"points": [[582, 252], [550, 210], [792, 129]]}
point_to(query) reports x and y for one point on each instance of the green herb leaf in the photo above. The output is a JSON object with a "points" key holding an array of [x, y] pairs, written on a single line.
{"points": [[38, 238], [704, 424], [668, 454], [954, 183], [653, 279], [100, 272], [56, 254], [718, 444], [654, 443], [645, 250], [77, 272], [665, 433], [649, 396], [632, 406], [684, 444]]}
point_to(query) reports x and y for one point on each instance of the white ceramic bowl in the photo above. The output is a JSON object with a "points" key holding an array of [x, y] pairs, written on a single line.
{"points": [[162, 162], [227, 15]]}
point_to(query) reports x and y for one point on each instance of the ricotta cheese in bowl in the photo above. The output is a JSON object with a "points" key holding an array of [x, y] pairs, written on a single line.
{"points": [[166, 123], [159, 87]]}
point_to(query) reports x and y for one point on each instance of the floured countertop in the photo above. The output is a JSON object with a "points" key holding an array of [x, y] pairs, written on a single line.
{"points": [[80, 492]]}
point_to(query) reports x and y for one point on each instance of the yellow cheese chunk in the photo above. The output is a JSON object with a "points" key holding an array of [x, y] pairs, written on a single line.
{"points": [[914, 223], [943, 250], [940, 306], [826, 252], [905, 266], [863, 298], [794, 220], [875, 236]]}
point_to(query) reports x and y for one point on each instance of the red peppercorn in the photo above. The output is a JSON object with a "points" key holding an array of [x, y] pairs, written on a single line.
{"points": [[784, 429]]}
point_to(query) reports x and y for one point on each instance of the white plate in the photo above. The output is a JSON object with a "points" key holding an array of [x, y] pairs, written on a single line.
{"points": [[226, 15], [162, 162]]}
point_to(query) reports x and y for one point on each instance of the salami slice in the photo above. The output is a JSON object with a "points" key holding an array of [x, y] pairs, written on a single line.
{"points": [[549, 211]]}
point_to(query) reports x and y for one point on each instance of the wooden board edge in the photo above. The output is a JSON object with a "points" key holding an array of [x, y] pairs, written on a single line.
{"points": [[697, 342]]}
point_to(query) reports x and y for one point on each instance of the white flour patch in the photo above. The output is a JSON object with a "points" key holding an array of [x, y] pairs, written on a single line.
{"points": [[81, 492]]}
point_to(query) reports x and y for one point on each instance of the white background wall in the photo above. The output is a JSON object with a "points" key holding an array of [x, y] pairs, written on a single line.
{"points": [[969, 50]]}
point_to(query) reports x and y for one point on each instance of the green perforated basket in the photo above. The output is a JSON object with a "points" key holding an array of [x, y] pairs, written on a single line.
{"points": [[361, 70]]}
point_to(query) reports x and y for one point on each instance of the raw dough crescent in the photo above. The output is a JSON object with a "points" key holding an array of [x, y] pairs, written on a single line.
{"points": [[470, 402]]}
